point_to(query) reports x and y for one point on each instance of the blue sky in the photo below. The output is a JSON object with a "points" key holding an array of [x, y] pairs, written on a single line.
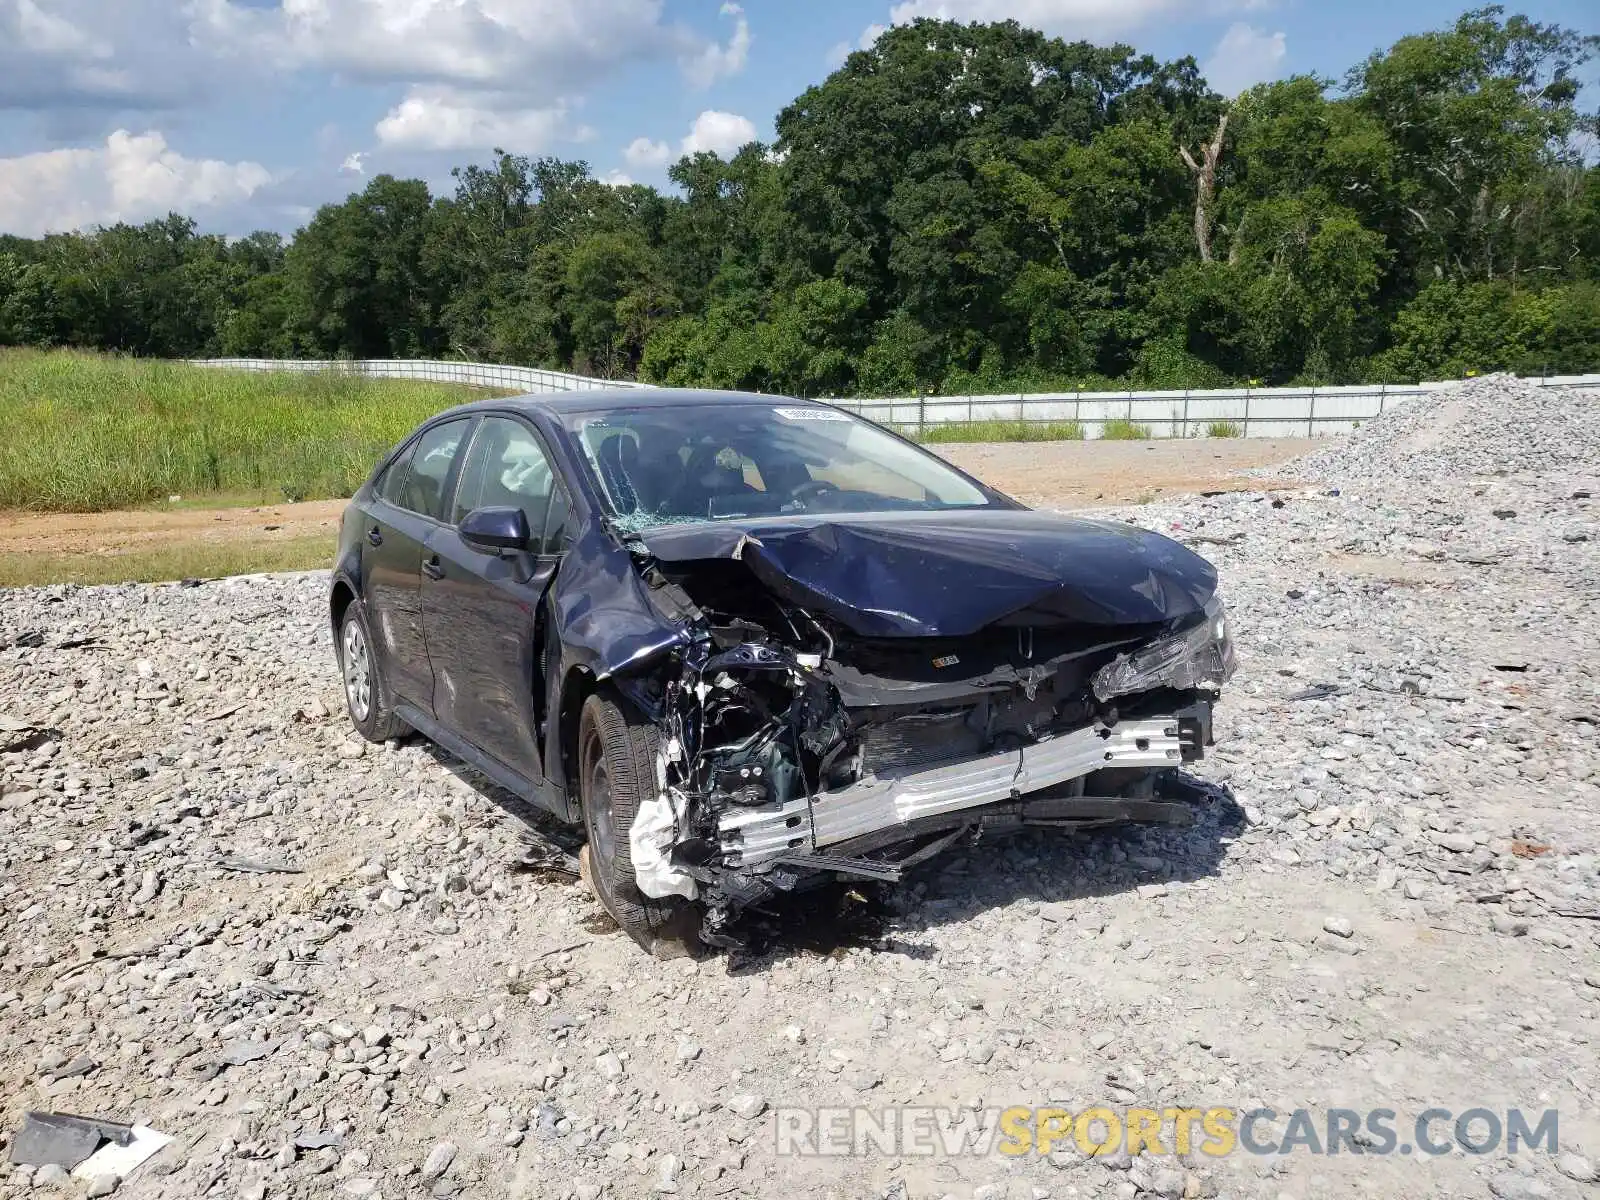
{"points": [[249, 113]]}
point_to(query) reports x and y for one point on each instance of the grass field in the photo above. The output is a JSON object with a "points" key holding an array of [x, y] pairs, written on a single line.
{"points": [[87, 433], [1002, 431]]}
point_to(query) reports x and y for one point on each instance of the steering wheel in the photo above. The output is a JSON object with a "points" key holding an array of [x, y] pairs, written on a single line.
{"points": [[812, 488]]}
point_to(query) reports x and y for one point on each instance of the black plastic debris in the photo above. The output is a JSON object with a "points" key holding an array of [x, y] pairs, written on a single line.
{"points": [[1318, 691], [63, 1139]]}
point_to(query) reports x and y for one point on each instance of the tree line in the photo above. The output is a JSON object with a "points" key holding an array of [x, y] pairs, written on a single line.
{"points": [[957, 208]]}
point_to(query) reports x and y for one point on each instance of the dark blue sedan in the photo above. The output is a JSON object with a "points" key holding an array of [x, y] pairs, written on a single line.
{"points": [[750, 643]]}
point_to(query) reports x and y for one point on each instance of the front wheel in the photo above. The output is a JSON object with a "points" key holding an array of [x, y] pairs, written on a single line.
{"points": [[365, 695], [616, 773]]}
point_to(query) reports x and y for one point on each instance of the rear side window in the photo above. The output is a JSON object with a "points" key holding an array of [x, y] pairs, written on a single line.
{"points": [[423, 489]]}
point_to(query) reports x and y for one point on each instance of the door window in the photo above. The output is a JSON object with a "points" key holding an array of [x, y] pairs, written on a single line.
{"points": [[423, 489], [394, 478], [506, 467]]}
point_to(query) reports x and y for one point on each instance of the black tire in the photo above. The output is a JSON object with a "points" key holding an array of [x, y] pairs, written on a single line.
{"points": [[378, 723], [616, 773]]}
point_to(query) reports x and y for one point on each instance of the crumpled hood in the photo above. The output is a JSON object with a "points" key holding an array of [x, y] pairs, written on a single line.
{"points": [[951, 573]]}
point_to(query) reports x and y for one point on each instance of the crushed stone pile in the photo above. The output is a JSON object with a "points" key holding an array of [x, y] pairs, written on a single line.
{"points": [[1497, 425]]}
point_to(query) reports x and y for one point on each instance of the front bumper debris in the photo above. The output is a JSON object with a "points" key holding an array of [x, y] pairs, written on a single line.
{"points": [[750, 837]]}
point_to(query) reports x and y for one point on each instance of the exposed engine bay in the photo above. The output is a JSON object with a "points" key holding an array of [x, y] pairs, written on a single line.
{"points": [[806, 737]]}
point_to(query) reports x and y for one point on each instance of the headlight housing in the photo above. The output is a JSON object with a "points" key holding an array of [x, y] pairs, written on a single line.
{"points": [[1200, 656]]}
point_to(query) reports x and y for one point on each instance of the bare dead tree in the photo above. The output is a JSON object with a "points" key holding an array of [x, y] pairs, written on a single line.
{"points": [[1205, 173]]}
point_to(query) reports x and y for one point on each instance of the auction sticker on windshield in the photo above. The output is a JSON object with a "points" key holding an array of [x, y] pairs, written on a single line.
{"points": [[810, 414]]}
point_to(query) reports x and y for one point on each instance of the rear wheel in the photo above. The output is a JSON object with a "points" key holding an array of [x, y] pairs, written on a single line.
{"points": [[616, 773], [365, 694]]}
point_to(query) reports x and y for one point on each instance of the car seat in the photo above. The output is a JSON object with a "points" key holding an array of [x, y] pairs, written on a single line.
{"points": [[705, 479]]}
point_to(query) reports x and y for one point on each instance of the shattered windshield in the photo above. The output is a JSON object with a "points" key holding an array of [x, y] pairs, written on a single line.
{"points": [[711, 462]]}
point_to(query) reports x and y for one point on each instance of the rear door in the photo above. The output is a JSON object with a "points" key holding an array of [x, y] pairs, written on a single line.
{"points": [[483, 613], [408, 506]]}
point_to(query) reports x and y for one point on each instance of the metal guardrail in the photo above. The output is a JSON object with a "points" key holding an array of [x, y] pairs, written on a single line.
{"points": [[487, 375], [1247, 412]]}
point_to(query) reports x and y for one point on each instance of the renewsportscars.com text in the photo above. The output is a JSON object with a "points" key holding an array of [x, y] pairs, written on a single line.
{"points": [[1217, 1132]]}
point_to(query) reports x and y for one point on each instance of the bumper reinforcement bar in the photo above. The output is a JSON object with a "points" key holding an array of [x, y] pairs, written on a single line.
{"points": [[751, 836]]}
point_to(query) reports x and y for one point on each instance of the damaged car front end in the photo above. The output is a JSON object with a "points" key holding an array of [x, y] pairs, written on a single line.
{"points": [[844, 688]]}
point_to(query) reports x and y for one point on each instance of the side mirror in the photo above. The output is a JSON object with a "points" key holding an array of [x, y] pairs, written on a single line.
{"points": [[496, 530]]}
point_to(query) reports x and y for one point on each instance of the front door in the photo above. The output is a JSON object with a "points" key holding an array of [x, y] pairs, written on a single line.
{"points": [[483, 613], [407, 509]]}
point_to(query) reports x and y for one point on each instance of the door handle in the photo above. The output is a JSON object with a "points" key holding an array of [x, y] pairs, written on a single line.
{"points": [[433, 568], [375, 536]]}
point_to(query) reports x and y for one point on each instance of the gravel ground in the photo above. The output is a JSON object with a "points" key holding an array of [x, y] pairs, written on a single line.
{"points": [[1491, 426], [1393, 905]]}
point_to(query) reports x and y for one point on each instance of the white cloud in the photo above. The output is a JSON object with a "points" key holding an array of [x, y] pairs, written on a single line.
{"points": [[130, 178], [471, 74], [716, 61], [1245, 56], [643, 154], [719, 132], [352, 163], [479, 73], [443, 118], [547, 47], [616, 179], [41, 32], [67, 54]]}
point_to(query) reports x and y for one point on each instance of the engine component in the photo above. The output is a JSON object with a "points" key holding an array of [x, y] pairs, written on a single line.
{"points": [[917, 740]]}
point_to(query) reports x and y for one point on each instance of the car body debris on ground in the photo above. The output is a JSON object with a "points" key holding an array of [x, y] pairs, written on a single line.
{"points": [[1391, 902]]}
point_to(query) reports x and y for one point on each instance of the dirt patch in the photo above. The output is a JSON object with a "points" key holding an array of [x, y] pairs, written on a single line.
{"points": [[144, 529], [1092, 473]]}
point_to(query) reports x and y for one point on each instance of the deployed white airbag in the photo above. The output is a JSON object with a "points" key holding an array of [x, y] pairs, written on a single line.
{"points": [[650, 840]]}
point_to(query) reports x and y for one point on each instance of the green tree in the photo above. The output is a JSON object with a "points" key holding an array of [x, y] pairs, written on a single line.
{"points": [[355, 282]]}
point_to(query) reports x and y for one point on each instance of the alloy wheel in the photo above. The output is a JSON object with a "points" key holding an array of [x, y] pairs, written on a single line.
{"points": [[357, 671]]}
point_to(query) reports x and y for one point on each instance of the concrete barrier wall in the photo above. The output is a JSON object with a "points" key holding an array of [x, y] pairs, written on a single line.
{"points": [[489, 375], [1253, 412]]}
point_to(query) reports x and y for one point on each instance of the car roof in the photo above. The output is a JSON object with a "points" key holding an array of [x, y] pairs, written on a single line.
{"points": [[603, 399]]}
